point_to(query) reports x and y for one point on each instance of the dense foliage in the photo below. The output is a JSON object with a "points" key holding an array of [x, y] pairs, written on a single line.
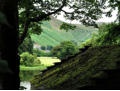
{"points": [[28, 59], [108, 34], [26, 46], [41, 53], [33, 12], [65, 49]]}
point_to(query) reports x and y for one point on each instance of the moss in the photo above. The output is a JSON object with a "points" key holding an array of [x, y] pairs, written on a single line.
{"points": [[77, 71], [99, 75]]}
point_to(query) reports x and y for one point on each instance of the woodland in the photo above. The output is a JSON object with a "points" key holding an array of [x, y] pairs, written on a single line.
{"points": [[65, 56]]}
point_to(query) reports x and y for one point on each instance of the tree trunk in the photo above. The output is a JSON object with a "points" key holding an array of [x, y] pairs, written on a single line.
{"points": [[9, 73]]}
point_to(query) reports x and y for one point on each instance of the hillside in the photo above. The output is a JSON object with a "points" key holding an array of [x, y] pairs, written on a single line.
{"points": [[52, 35], [76, 71]]}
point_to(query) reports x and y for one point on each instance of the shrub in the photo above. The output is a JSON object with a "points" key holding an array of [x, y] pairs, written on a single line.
{"points": [[27, 59], [49, 47], [65, 49], [41, 53], [37, 62], [108, 34], [86, 43], [26, 46], [43, 47]]}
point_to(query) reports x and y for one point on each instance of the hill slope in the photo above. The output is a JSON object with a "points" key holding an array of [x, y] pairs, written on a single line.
{"points": [[52, 35], [75, 72]]}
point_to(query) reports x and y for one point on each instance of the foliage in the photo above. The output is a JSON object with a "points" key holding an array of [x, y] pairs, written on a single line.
{"points": [[65, 49], [27, 59], [49, 47], [43, 47], [91, 41], [33, 12], [27, 75], [108, 34], [37, 62], [67, 27], [113, 5], [41, 53], [86, 43], [26, 46]]}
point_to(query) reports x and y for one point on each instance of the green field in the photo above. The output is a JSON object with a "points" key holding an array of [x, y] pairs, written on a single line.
{"points": [[48, 61], [52, 35], [45, 62], [41, 67]]}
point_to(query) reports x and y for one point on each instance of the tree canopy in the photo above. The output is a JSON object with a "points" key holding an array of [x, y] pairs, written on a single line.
{"points": [[64, 50], [33, 12]]}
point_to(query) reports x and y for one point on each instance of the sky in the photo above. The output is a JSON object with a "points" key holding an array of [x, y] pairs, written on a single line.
{"points": [[103, 19]]}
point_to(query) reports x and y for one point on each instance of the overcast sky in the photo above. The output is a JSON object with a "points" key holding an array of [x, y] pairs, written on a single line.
{"points": [[104, 19]]}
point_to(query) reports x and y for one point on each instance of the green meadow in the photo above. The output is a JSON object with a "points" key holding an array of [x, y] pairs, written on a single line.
{"points": [[44, 63], [48, 61], [26, 68]]}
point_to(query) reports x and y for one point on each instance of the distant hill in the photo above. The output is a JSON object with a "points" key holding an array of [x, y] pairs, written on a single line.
{"points": [[52, 35]]}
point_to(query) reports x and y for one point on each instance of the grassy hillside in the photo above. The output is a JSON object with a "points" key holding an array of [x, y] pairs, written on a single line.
{"points": [[52, 35], [76, 72]]}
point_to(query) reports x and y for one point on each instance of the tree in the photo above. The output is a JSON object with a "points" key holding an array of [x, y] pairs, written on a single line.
{"points": [[65, 49], [108, 34], [41, 53], [26, 46], [113, 4], [9, 44], [28, 59], [33, 12]]}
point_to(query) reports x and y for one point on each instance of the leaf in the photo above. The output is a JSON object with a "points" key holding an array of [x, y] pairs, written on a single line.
{"points": [[67, 27]]}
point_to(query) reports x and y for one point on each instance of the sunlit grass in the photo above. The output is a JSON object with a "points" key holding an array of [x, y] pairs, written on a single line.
{"points": [[22, 67], [49, 61], [45, 62]]}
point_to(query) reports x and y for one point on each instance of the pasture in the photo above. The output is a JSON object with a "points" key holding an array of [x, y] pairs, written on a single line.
{"points": [[45, 62], [48, 61]]}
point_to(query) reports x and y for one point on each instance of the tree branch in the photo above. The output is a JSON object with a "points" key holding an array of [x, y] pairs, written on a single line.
{"points": [[26, 26], [37, 19], [24, 34], [67, 12]]}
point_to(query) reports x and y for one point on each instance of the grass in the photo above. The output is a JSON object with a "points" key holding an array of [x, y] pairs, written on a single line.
{"points": [[48, 61], [24, 68], [45, 62]]}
